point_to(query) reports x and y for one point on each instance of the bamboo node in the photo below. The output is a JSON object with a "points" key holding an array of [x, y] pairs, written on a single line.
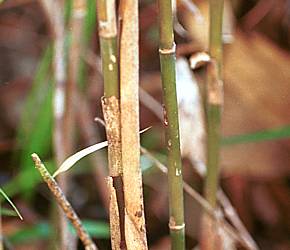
{"points": [[173, 226], [215, 86], [168, 51], [199, 59], [107, 29], [176, 227]]}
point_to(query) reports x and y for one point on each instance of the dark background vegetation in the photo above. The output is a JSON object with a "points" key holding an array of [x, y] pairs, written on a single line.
{"points": [[255, 167]]}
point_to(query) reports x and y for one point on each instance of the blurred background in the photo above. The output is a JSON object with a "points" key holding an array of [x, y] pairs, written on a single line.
{"points": [[255, 158]]}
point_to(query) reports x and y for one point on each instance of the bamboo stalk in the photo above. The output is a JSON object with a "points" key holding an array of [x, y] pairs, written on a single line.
{"points": [[110, 103], [68, 130], [210, 238], [214, 100], [75, 26], [64, 204], [55, 14], [135, 232], [168, 75]]}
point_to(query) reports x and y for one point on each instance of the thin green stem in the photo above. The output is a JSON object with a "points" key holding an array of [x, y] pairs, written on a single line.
{"points": [[213, 130], [110, 66], [175, 182], [214, 101], [108, 42], [215, 37]]}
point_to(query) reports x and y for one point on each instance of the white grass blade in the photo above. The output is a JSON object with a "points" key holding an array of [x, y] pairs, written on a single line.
{"points": [[70, 161]]}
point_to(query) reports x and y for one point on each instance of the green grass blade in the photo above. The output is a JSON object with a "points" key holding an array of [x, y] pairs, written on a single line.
{"points": [[35, 127], [7, 212], [25, 181], [39, 231], [88, 30], [11, 203], [95, 229], [260, 136], [43, 230]]}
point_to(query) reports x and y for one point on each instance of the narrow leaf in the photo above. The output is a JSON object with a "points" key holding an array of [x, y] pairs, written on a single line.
{"points": [[11, 203], [265, 135], [69, 162], [7, 212], [43, 230]]}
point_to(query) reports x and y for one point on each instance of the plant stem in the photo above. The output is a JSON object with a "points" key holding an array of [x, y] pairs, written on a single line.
{"points": [[108, 42], [55, 10], [75, 26], [64, 204], [135, 231], [168, 75], [111, 111], [214, 100], [210, 239]]}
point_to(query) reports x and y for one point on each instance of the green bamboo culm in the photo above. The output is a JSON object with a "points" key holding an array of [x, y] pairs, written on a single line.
{"points": [[108, 42], [168, 75], [110, 66], [214, 100]]}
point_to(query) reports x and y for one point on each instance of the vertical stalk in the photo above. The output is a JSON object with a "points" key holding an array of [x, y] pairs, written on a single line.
{"points": [[214, 100], [59, 103], [75, 26], [59, 107], [168, 75], [110, 102], [135, 232], [210, 240], [68, 127]]}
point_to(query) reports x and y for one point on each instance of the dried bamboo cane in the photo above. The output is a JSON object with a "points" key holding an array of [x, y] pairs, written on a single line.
{"points": [[111, 111], [135, 232]]}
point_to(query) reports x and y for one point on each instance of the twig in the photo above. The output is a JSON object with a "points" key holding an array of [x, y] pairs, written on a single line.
{"points": [[6, 5], [64, 204], [148, 101], [257, 13], [205, 205], [234, 218]]}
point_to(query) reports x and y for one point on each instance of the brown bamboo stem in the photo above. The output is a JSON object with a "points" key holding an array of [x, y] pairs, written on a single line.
{"points": [[135, 231]]}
